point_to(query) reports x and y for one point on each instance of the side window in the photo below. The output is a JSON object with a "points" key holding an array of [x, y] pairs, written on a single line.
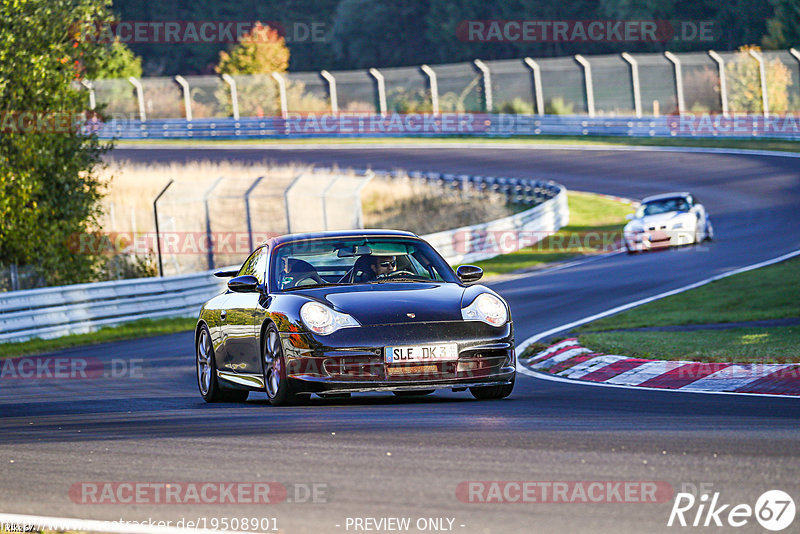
{"points": [[249, 265], [260, 267]]}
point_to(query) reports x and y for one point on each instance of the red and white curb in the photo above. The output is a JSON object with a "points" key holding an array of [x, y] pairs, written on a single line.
{"points": [[568, 359]]}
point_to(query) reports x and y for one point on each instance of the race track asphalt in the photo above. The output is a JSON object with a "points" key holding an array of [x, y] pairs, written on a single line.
{"points": [[384, 457]]}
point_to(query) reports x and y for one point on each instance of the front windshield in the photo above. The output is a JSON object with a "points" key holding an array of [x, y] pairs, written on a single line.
{"points": [[360, 260], [662, 206]]}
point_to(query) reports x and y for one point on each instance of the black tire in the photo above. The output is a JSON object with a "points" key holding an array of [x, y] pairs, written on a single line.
{"points": [[206, 365], [492, 392], [281, 391], [419, 393]]}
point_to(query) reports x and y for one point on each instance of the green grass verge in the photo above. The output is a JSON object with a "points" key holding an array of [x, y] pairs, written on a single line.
{"points": [[595, 226], [132, 330], [766, 293], [741, 345], [749, 144]]}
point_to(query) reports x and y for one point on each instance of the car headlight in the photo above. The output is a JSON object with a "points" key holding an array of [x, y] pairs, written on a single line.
{"points": [[323, 320], [487, 308]]}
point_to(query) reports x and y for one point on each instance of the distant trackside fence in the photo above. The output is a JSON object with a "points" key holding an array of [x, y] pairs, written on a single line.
{"points": [[58, 311]]}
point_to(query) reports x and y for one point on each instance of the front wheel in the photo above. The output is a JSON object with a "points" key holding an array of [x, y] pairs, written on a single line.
{"points": [[207, 373], [709, 230], [280, 389], [492, 392]]}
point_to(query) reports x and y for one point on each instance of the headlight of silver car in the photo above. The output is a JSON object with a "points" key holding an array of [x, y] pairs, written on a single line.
{"points": [[321, 319], [487, 308]]}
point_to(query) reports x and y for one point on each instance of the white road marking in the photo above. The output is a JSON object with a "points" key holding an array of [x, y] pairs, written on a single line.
{"points": [[733, 377], [541, 335]]}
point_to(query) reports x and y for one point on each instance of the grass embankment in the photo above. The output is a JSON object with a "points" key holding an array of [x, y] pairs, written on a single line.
{"points": [[132, 330], [763, 294], [744, 144], [595, 226]]}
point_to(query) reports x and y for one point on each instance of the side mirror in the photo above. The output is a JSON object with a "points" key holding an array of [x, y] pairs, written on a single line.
{"points": [[469, 273], [226, 274], [629, 216], [243, 284]]}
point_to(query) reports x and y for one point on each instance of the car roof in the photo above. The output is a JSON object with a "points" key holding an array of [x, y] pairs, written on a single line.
{"points": [[338, 233], [663, 196]]}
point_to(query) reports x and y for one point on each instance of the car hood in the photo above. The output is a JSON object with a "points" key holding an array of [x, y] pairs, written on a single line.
{"points": [[392, 302], [660, 219]]}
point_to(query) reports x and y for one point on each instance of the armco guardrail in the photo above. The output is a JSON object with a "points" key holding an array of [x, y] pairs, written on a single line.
{"points": [[57, 311], [740, 126]]}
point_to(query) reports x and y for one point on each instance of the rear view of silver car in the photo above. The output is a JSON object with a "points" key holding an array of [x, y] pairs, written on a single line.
{"points": [[667, 220]]}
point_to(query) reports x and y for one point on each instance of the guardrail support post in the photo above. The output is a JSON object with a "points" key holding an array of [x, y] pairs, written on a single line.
{"points": [[723, 82], [537, 85], [282, 92], [678, 80], [247, 211], [331, 90], [90, 86], [587, 76], [208, 222], [187, 98], [487, 84], [434, 85], [762, 71], [637, 93], [381, 90], [234, 96], [158, 235], [139, 96]]}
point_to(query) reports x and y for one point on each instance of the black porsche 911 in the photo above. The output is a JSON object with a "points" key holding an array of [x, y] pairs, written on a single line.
{"points": [[352, 311]]}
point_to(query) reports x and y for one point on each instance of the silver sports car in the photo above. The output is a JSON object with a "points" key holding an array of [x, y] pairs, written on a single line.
{"points": [[666, 220]]}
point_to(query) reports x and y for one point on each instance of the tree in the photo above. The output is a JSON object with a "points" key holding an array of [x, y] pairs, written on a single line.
{"points": [[261, 51], [744, 83], [783, 29], [49, 190]]}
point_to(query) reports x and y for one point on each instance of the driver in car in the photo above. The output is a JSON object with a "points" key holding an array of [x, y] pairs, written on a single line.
{"points": [[383, 266]]}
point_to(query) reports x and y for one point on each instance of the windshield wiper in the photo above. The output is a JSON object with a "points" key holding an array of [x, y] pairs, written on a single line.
{"points": [[399, 279], [313, 286]]}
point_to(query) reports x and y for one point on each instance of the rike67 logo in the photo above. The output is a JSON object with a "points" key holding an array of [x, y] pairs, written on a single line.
{"points": [[774, 510]]}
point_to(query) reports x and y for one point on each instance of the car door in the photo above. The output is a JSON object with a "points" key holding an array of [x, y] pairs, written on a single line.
{"points": [[243, 354]]}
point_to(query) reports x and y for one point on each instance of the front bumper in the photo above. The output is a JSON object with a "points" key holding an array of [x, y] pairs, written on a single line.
{"points": [[352, 359], [657, 239]]}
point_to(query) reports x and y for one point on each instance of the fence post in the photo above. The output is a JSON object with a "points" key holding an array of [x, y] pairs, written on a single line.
{"points": [[187, 98], [90, 86], [158, 235], [381, 89], [369, 175], [286, 203], [325, 201], [587, 76], [282, 92], [723, 82], [637, 92], [234, 95], [434, 84], [762, 71], [678, 80], [487, 84], [537, 84], [331, 90], [14, 277], [139, 96], [247, 211], [208, 222]]}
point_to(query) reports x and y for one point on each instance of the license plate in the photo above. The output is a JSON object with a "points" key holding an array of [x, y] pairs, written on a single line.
{"points": [[421, 353], [413, 370]]}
